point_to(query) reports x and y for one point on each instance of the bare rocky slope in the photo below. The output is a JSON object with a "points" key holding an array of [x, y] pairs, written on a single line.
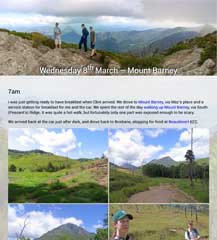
{"points": [[19, 57], [186, 63]]}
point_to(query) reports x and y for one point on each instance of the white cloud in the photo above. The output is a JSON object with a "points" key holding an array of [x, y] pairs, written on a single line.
{"points": [[157, 11], [73, 8], [200, 145], [43, 139], [25, 141], [30, 20], [199, 134], [38, 222], [96, 129], [98, 225], [128, 147], [154, 133]]}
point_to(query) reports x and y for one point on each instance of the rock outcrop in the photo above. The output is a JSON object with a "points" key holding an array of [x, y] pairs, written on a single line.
{"points": [[187, 63], [18, 56]]}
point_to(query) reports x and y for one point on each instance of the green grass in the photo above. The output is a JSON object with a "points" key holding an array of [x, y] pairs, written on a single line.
{"points": [[200, 190], [123, 185], [77, 181], [154, 222]]}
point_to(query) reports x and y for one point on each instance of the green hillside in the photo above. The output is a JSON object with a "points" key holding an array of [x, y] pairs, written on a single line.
{"points": [[202, 161], [45, 177]]}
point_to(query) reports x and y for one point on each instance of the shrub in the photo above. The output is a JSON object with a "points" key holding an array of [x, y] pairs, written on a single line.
{"points": [[4, 30], [50, 167], [12, 168], [101, 234], [141, 62], [208, 52], [178, 47], [57, 185]]}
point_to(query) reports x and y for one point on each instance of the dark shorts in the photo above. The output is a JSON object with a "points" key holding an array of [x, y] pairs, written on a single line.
{"points": [[92, 45]]}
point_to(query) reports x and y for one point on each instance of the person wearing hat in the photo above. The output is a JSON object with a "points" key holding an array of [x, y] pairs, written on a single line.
{"points": [[191, 233], [121, 220]]}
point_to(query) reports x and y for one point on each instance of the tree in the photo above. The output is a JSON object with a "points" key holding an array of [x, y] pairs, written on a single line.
{"points": [[12, 168], [20, 235], [50, 167], [189, 156], [102, 234]]}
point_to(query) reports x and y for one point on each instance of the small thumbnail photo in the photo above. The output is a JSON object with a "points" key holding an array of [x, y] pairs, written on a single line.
{"points": [[57, 222], [57, 165], [159, 222], [159, 165]]}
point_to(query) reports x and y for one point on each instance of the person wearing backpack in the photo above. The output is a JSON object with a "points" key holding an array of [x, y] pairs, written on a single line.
{"points": [[84, 36], [191, 233], [121, 220]]}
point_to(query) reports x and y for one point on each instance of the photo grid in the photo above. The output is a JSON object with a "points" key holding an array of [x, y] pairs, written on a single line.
{"points": [[99, 184]]}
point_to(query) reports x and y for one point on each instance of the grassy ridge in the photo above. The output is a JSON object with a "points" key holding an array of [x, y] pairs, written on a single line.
{"points": [[154, 222], [123, 185], [68, 180]]}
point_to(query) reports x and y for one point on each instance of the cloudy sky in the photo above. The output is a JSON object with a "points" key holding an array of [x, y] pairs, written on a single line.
{"points": [[139, 146], [126, 14], [41, 218], [75, 143]]}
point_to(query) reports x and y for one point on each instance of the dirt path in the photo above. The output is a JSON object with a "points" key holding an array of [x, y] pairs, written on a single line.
{"points": [[98, 172], [164, 193]]}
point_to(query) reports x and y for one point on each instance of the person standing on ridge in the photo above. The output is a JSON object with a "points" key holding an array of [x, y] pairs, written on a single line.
{"points": [[57, 36], [84, 36], [92, 42]]}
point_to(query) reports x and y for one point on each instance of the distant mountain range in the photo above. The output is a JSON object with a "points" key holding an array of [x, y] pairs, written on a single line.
{"points": [[17, 152], [67, 232], [142, 43], [165, 161], [129, 166], [168, 161]]}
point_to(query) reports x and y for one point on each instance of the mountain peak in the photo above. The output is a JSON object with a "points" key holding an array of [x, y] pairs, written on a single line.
{"points": [[128, 166], [67, 231], [167, 161]]}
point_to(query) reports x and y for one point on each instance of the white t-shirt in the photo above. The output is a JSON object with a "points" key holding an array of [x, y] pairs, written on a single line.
{"points": [[57, 33]]}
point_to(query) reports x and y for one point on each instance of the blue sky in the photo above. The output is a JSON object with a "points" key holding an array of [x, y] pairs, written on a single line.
{"points": [[107, 15], [42, 218], [75, 143], [139, 146]]}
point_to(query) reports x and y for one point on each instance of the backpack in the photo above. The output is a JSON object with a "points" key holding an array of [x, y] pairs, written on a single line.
{"points": [[194, 230]]}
